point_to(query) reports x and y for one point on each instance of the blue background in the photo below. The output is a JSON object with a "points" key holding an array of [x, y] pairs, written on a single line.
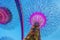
{"points": [[13, 28], [50, 8]]}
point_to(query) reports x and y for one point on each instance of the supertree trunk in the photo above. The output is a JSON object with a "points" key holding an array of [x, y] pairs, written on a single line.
{"points": [[34, 33]]}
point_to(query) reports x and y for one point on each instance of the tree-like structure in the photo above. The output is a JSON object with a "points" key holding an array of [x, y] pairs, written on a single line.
{"points": [[34, 33]]}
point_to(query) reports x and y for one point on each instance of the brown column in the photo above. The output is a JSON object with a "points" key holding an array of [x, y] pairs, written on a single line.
{"points": [[34, 33]]}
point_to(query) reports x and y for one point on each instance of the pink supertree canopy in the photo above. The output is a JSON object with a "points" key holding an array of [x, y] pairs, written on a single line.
{"points": [[4, 15], [38, 17]]}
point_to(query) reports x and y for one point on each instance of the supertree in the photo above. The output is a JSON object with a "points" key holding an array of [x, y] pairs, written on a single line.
{"points": [[37, 21]]}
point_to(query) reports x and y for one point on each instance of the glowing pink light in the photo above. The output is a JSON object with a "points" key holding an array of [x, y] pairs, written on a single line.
{"points": [[4, 16], [38, 17]]}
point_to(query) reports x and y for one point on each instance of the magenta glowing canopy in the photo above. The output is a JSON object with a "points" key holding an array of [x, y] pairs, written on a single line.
{"points": [[38, 17]]}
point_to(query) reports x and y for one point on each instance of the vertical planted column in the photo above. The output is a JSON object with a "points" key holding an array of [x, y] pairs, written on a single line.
{"points": [[37, 21]]}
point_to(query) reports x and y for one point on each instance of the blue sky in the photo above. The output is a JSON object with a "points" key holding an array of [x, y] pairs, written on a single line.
{"points": [[50, 8]]}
